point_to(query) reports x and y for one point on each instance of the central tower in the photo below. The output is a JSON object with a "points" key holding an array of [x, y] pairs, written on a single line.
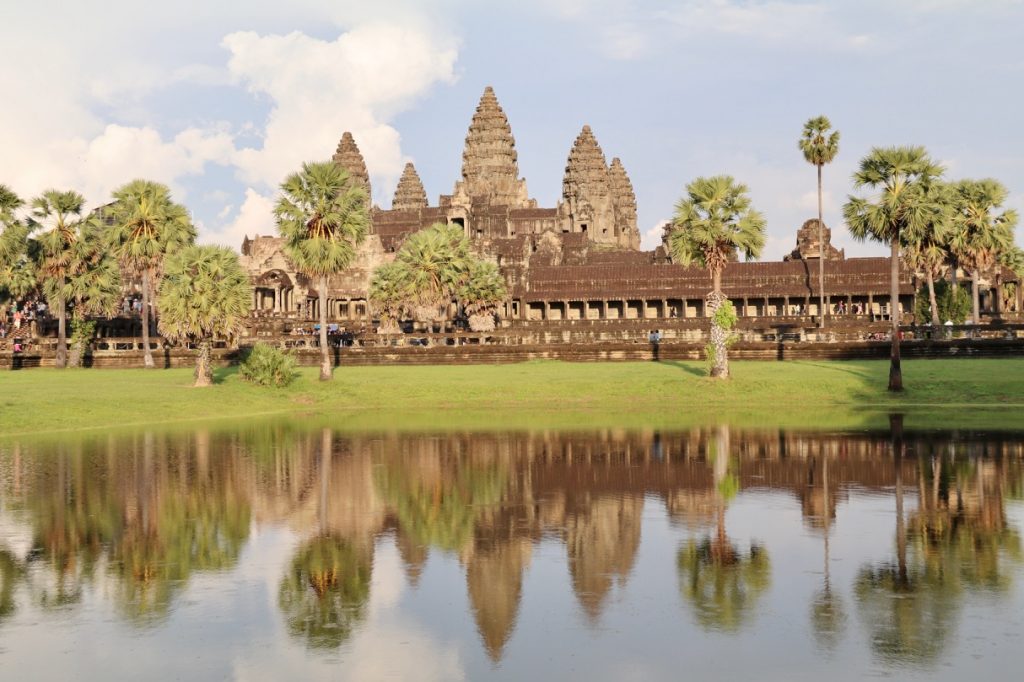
{"points": [[490, 169]]}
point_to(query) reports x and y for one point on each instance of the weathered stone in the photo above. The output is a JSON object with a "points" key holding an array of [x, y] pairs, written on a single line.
{"points": [[410, 195], [807, 243], [624, 200], [351, 159], [490, 170], [587, 192]]}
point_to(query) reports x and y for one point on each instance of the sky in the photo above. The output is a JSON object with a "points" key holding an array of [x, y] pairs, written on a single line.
{"points": [[221, 100]]}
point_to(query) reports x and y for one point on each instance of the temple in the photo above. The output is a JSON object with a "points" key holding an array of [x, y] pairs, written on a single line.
{"points": [[578, 260]]}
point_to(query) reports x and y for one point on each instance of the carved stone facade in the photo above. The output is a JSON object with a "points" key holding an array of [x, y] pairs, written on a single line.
{"points": [[597, 201], [807, 243], [351, 159], [410, 195]]}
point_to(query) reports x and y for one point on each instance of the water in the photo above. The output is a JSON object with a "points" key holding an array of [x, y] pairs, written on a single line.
{"points": [[275, 552]]}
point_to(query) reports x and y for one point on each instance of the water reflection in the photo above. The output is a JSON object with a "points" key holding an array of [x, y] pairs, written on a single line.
{"points": [[130, 522], [721, 581]]}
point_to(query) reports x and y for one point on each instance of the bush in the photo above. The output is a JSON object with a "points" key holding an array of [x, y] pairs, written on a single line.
{"points": [[266, 365]]}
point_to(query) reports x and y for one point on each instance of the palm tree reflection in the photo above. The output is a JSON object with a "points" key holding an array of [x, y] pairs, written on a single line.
{"points": [[722, 583]]}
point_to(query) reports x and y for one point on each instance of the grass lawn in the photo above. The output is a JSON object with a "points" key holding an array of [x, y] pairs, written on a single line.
{"points": [[962, 393]]}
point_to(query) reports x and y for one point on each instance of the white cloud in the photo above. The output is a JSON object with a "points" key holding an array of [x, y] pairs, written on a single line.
{"points": [[320, 88], [254, 217], [81, 115], [651, 239]]}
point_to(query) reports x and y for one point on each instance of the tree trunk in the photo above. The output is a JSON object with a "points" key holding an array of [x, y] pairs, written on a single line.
{"points": [[77, 349], [932, 300], [975, 297], [895, 371], [204, 372], [822, 312], [718, 345], [325, 356], [61, 360], [147, 353]]}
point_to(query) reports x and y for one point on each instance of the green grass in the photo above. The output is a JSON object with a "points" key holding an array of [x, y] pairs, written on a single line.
{"points": [[975, 393]]}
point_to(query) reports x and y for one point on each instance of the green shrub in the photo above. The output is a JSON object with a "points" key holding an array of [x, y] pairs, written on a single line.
{"points": [[266, 365]]}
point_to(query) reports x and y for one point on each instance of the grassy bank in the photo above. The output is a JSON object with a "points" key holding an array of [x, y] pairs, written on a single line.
{"points": [[972, 393]]}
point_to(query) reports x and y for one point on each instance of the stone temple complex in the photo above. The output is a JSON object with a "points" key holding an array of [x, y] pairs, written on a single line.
{"points": [[578, 260]]}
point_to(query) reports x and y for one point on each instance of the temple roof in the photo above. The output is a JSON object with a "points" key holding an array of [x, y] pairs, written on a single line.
{"points": [[410, 194], [350, 158], [586, 171], [489, 161]]}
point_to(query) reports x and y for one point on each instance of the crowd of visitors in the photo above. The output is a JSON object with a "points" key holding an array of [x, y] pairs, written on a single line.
{"points": [[18, 317]]}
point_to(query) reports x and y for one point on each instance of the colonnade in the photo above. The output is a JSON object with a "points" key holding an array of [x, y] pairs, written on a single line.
{"points": [[871, 304]]}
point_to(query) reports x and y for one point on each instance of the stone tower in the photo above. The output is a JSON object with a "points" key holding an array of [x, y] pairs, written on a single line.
{"points": [[489, 162], [587, 191], [410, 195], [624, 200], [349, 157]]}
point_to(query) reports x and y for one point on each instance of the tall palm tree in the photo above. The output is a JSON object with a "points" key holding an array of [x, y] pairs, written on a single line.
{"points": [[204, 293], [927, 249], [900, 174], [981, 234], [57, 215], [820, 148], [438, 262], [712, 222], [323, 216], [147, 226]]}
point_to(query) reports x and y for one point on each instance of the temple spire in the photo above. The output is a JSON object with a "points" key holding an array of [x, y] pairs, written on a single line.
{"points": [[624, 200], [489, 161], [350, 158], [586, 190], [410, 195]]}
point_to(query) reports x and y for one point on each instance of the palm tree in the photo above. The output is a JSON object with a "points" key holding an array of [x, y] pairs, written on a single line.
{"points": [[388, 295], [481, 293], [900, 174], [146, 227], [204, 293], [323, 216], [93, 286], [927, 249], [437, 261], [980, 234], [17, 269], [58, 214], [712, 223], [820, 148]]}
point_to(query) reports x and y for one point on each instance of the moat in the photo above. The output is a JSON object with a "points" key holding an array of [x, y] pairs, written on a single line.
{"points": [[275, 551]]}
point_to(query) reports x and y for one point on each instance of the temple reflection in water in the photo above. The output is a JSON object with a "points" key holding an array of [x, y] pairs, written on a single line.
{"points": [[134, 519]]}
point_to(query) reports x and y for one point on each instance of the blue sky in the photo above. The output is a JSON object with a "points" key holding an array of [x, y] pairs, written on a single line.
{"points": [[221, 100]]}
